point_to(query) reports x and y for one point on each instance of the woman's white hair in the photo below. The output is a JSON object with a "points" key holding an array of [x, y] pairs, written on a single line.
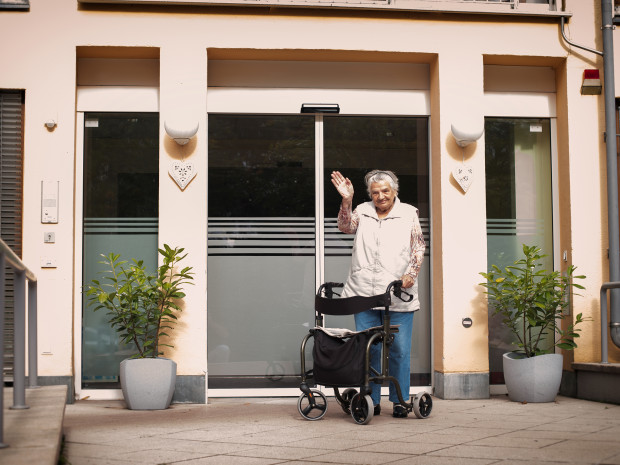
{"points": [[381, 175]]}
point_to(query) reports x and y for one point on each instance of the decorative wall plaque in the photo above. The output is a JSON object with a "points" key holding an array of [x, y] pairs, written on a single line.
{"points": [[182, 172], [464, 175]]}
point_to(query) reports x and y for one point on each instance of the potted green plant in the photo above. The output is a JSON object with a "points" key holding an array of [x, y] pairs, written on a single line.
{"points": [[142, 307], [532, 303]]}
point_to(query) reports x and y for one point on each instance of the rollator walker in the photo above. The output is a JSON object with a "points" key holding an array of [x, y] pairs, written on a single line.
{"points": [[341, 358]]}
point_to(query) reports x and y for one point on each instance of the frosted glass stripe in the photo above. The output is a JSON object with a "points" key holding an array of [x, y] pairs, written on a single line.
{"points": [[278, 236], [518, 227]]}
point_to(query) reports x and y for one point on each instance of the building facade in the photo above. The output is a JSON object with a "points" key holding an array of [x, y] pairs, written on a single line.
{"points": [[100, 87]]}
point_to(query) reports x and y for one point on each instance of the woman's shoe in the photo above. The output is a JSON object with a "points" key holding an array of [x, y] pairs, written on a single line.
{"points": [[399, 412], [377, 409]]}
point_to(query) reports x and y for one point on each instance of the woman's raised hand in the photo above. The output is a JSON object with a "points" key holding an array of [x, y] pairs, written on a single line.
{"points": [[343, 185]]}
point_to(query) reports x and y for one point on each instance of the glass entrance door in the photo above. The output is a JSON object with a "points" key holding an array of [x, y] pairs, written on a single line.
{"points": [[355, 145], [272, 235], [261, 243]]}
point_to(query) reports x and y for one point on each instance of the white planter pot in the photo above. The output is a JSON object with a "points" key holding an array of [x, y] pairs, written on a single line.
{"points": [[534, 379], [148, 383]]}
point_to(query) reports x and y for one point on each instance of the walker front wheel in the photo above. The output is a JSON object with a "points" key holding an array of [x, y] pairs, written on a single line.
{"points": [[347, 395], [312, 406], [362, 409], [422, 405]]}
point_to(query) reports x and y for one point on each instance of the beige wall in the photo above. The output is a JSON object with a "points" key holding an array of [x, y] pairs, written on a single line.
{"points": [[43, 62], [587, 177]]}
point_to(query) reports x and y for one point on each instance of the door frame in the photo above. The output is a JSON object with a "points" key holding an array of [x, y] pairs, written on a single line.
{"points": [[96, 99], [531, 105]]}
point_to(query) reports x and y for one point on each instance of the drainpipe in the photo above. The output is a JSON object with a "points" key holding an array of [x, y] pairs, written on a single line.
{"points": [[612, 164]]}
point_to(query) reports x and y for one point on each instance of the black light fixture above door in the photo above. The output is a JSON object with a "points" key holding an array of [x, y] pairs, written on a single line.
{"points": [[320, 108]]}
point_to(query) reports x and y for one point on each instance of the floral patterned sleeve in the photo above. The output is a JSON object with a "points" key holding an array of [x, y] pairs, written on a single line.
{"points": [[418, 246], [347, 220]]}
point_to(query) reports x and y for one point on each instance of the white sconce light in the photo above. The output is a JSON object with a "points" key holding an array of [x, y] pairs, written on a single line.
{"points": [[463, 173], [181, 134], [464, 137], [181, 171], [51, 120]]}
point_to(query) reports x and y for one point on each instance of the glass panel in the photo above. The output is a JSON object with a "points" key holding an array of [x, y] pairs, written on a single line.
{"points": [[121, 156], [261, 238], [354, 146], [519, 206]]}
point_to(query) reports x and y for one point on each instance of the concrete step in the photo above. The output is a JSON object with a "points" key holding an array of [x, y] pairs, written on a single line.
{"points": [[34, 435], [598, 381]]}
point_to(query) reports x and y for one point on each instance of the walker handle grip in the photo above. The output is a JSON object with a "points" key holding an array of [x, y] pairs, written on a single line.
{"points": [[396, 287], [329, 289]]}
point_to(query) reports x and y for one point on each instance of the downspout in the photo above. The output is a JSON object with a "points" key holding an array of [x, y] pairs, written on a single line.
{"points": [[612, 163]]}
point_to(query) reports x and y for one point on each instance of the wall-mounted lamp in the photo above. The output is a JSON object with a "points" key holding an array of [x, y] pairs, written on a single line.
{"points": [[591, 83], [320, 108], [464, 137], [463, 173], [181, 134]]}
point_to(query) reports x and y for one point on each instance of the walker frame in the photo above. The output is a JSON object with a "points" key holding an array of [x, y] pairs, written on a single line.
{"points": [[312, 403]]}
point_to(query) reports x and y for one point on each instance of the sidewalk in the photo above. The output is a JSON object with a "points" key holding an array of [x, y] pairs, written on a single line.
{"points": [[33, 435], [271, 431]]}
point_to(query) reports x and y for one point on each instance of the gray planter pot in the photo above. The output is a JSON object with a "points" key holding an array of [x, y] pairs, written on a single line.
{"points": [[534, 379], [148, 383]]}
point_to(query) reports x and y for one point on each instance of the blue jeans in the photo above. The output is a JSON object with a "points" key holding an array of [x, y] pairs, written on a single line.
{"points": [[400, 351]]}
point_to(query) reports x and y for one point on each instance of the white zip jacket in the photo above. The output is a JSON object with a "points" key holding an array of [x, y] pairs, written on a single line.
{"points": [[384, 250]]}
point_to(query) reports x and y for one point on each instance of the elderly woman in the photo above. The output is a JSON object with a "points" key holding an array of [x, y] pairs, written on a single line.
{"points": [[388, 246]]}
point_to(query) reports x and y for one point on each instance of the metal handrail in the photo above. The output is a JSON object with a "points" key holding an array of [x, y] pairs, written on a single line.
{"points": [[25, 282], [15, 262], [604, 288]]}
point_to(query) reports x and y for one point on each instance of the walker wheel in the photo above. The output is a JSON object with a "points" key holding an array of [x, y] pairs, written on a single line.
{"points": [[422, 405], [362, 409], [312, 406], [347, 395]]}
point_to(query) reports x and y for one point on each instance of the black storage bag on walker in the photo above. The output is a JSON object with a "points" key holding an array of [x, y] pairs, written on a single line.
{"points": [[338, 361]]}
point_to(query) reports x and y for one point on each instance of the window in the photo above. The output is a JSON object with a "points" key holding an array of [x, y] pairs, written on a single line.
{"points": [[11, 168], [121, 190], [519, 206]]}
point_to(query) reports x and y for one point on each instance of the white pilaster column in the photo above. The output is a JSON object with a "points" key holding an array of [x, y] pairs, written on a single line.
{"points": [[459, 228], [183, 212]]}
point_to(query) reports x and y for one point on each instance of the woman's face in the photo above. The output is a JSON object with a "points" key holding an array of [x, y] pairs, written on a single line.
{"points": [[382, 196]]}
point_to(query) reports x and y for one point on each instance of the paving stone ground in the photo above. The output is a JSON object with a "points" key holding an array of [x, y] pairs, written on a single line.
{"points": [[271, 431]]}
